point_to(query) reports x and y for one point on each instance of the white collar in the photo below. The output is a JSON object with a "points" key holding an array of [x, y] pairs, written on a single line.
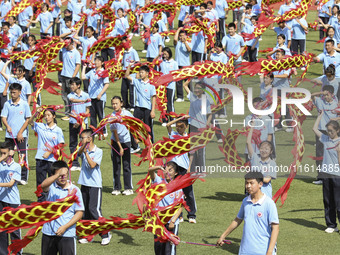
{"points": [[260, 201]]}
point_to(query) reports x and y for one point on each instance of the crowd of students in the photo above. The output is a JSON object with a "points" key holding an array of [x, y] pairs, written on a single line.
{"points": [[84, 91]]}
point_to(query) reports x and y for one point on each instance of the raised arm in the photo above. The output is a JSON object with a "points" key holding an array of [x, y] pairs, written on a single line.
{"points": [[3, 71], [316, 125], [249, 140]]}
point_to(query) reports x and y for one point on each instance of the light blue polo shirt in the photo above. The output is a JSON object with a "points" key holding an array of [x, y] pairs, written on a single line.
{"points": [[267, 168], [328, 108], [47, 135], [78, 108], [121, 25], [70, 59], [324, 8], [284, 47], [220, 6], [63, 26], [96, 84], [24, 16], [328, 59], [56, 9], [8, 172], [198, 42], [256, 10], [122, 132], [233, 44], [324, 44], [147, 17], [284, 8], [298, 32], [334, 83], [330, 161], [65, 30], [76, 10], [285, 31], [129, 56], [180, 160], [265, 90], [45, 19], [336, 24], [154, 42], [166, 67], [264, 124], [257, 218], [249, 29], [16, 115], [4, 9], [183, 12], [120, 4], [92, 20], [56, 192], [197, 119], [16, 31], [144, 93], [86, 43], [281, 82], [29, 62], [182, 56], [3, 80], [11, 43], [91, 177], [26, 87], [169, 199]]}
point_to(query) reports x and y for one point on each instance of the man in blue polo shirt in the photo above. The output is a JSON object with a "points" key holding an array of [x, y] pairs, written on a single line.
{"points": [[80, 103], [331, 57], [15, 116], [154, 44], [233, 43], [71, 66], [221, 6], [261, 221], [60, 235], [146, 96], [10, 174], [90, 179]]}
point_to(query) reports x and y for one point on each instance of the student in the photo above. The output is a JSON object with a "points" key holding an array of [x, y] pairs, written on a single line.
{"points": [[155, 44], [67, 29], [282, 29], [10, 45], [246, 16], [55, 13], [121, 25], [93, 20], [10, 175], [170, 173], [252, 45], [90, 179], [20, 79], [169, 64], [336, 24], [198, 40], [198, 120], [59, 236], [146, 96], [49, 135], [71, 66], [121, 143], [266, 86], [183, 14], [3, 89], [46, 21], [183, 165], [261, 221], [24, 19], [323, 14], [331, 57], [330, 171], [80, 103], [97, 90], [62, 21], [221, 7], [15, 116], [262, 161], [299, 27], [329, 79], [5, 7], [182, 56], [330, 36], [127, 89], [233, 43], [326, 102], [288, 6], [263, 124], [280, 45]]}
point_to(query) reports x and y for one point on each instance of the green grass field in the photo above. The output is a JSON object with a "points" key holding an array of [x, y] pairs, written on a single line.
{"points": [[218, 199]]}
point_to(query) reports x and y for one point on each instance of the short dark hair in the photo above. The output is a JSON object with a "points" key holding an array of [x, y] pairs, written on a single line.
{"points": [[89, 132], [203, 5], [210, 2], [5, 24], [156, 25], [249, 7], [257, 100], [75, 80], [328, 88], [174, 165], [184, 121], [13, 17], [68, 19], [15, 86], [56, 165], [330, 41], [69, 38], [258, 176], [219, 44], [117, 97], [21, 68], [282, 36], [6, 145], [330, 69], [145, 68], [232, 24], [100, 58], [120, 9], [282, 51], [270, 75], [168, 50]]}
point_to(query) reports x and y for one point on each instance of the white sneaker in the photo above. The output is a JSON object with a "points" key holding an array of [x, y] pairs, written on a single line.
{"points": [[84, 240], [289, 130], [136, 34], [167, 40], [179, 100], [1, 129], [75, 168], [115, 192], [106, 240], [173, 125], [132, 110], [127, 192], [22, 182], [164, 124], [66, 118], [277, 129], [181, 219], [303, 68], [144, 51], [220, 141], [222, 116], [60, 84], [192, 220], [132, 151], [317, 182], [331, 230]]}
